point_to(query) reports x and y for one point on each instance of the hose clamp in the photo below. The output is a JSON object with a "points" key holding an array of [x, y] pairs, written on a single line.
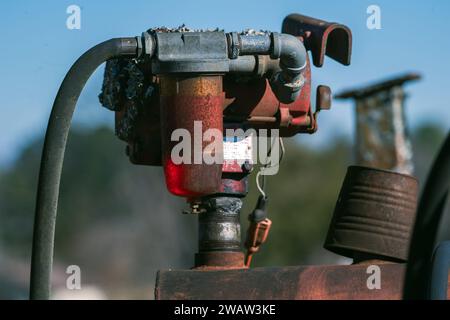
{"points": [[233, 45], [146, 44]]}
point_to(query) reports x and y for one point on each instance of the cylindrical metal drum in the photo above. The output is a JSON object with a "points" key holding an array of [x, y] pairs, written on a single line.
{"points": [[374, 214], [192, 106]]}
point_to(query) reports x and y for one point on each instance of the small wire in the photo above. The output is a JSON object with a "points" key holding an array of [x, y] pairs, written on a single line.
{"points": [[262, 186], [261, 190]]}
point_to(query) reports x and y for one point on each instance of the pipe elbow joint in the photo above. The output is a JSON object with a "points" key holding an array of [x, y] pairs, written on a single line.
{"points": [[288, 83], [286, 91]]}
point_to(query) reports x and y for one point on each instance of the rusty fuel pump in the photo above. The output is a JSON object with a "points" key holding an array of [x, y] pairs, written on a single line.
{"points": [[194, 81], [240, 81], [170, 83]]}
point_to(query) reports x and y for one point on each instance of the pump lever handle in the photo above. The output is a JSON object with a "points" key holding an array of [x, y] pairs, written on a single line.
{"points": [[323, 98]]}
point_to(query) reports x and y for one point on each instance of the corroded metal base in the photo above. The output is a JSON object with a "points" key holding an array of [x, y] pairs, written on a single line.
{"points": [[217, 260], [283, 283]]}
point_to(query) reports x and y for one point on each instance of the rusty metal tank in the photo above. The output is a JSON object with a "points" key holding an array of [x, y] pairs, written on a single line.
{"points": [[191, 105]]}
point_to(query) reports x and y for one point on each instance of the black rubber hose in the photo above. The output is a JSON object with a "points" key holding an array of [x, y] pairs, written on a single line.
{"points": [[429, 214], [53, 156]]}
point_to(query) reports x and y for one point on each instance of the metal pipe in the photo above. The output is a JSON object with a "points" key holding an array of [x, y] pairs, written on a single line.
{"points": [[219, 225], [255, 44], [382, 136], [260, 65], [291, 51], [53, 156], [287, 83], [219, 233], [244, 64]]}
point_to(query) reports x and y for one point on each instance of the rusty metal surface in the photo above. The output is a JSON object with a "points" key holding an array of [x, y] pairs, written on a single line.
{"points": [[200, 85], [374, 214], [219, 260], [234, 184], [382, 137], [253, 102], [131, 87], [186, 100], [249, 98], [321, 38], [323, 98], [255, 99], [281, 283]]}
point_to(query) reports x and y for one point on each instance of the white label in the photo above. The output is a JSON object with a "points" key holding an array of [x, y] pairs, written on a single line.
{"points": [[241, 149]]}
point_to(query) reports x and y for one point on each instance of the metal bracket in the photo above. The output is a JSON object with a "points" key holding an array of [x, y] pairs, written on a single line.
{"points": [[321, 38]]}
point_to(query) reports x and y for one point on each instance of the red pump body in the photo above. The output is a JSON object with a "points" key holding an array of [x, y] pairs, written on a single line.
{"points": [[191, 104], [162, 103], [210, 100]]}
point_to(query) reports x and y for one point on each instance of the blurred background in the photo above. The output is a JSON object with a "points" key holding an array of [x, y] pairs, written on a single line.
{"points": [[116, 220]]}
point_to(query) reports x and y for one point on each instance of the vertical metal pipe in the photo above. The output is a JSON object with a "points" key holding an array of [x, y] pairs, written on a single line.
{"points": [[219, 225], [219, 233], [382, 138]]}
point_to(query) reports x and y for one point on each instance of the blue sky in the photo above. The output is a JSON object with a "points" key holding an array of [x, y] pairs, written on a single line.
{"points": [[38, 50]]}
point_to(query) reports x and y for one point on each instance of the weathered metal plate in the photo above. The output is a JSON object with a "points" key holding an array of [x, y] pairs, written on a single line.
{"points": [[281, 283], [382, 135]]}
